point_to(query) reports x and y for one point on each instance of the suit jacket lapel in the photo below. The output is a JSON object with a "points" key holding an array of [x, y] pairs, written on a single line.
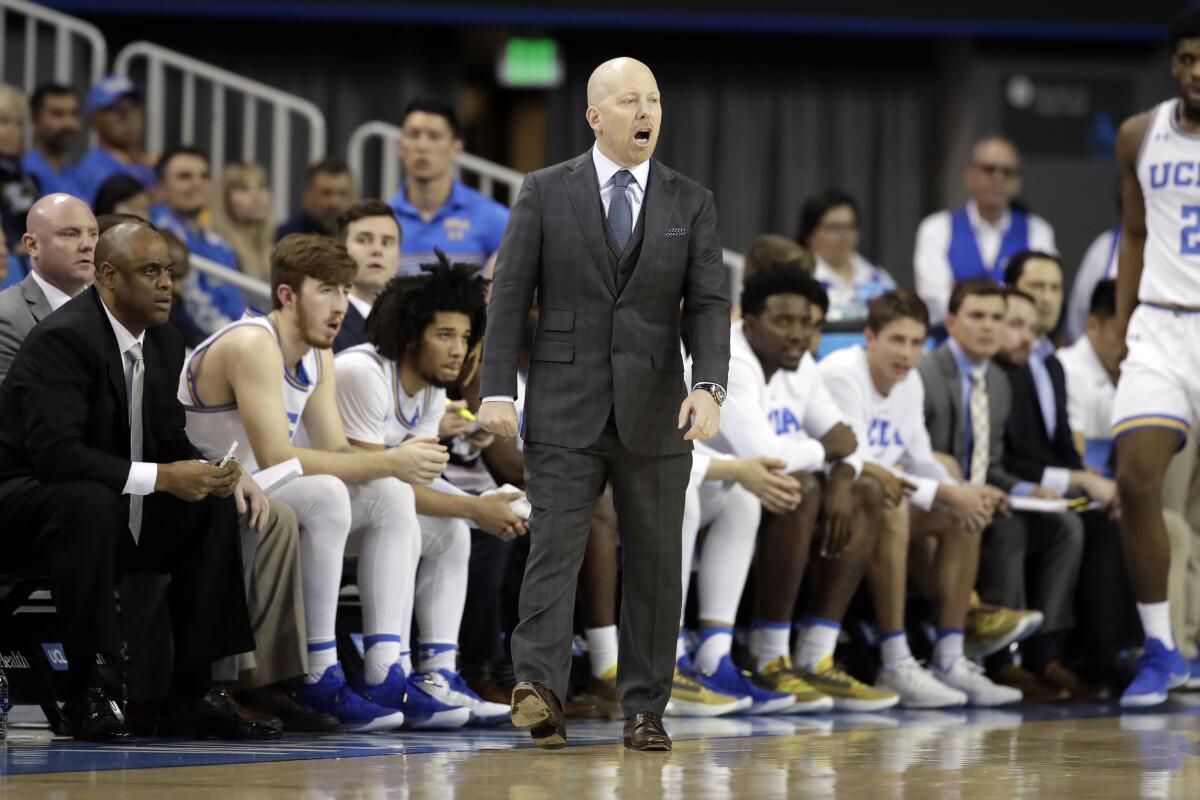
{"points": [[954, 397], [114, 362], [39, 306], [585, 200], [658, 204]]}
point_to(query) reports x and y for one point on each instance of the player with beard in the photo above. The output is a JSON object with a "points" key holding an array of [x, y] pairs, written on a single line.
{"points": [[260, 381], [391, 390], [1158, 395]]}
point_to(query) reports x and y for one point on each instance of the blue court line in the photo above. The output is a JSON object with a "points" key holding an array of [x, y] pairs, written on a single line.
{"points": [[25, 757]]}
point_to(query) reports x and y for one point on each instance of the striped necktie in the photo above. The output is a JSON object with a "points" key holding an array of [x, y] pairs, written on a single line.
{"points": [[981, 427]]}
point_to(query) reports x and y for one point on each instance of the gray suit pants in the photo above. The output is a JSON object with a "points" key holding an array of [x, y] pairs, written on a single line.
{"points": [[1032, 561], [563, 487]]}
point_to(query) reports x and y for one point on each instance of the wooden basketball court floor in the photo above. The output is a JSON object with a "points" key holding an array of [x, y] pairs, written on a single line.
{"points": [[1069, 751]]}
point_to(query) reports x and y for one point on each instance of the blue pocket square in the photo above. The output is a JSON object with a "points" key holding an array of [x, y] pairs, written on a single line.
{"points": [[675, 233]]}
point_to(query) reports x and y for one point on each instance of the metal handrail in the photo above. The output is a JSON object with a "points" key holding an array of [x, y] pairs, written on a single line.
{"points": [[487, 173], [281, 104], [251, 286]]}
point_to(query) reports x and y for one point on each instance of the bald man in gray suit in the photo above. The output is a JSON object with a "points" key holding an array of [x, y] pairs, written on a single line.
{"points": [[612, 241]]}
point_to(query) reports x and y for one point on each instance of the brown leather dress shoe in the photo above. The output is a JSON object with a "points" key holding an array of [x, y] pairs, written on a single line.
{"points": [[535, 707], [1058, 676], [1031, 686], [644, 731], [273, 702], [215, 714]]}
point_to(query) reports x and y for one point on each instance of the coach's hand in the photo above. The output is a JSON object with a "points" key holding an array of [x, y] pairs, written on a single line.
{"points": [[499, 417], [704, 413], [195, 480]]}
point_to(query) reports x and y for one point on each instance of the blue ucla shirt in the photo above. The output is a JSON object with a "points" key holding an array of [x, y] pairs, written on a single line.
{"points": [[51, 180], [99, 164], [208, 304], [467, 228]]}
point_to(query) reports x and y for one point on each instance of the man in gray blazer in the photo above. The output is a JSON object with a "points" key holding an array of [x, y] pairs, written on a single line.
{"points": [[1029, 560], [60, 236], [612, 241]]}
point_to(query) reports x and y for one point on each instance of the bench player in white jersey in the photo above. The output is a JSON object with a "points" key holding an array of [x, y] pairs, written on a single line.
{"points": [[778, 407], [257, 381], [882, 396], [392, 389], [1158, 396]]}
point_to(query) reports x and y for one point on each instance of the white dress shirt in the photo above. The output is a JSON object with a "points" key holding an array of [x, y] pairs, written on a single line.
{"points": [[142, 474], [55, 297], [1099, 263], [931, 259], [361, 305]]}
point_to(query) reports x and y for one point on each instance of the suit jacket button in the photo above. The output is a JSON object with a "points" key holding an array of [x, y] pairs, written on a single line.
{"points": [[616, 351]]}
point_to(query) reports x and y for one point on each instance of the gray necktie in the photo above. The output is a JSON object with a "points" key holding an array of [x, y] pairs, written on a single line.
{"points": [[136, 381], [620, 215]]}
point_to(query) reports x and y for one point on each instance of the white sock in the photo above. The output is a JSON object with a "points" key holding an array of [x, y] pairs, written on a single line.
{"points": [[405, 661], [602, 647], [441, 587], [715, 644], [383, 650], [948, 648], [820, 639], [322, 654], [1156, 622], [894, 649], [726, 555], [768, 641], [680, 646], [437, 656]]}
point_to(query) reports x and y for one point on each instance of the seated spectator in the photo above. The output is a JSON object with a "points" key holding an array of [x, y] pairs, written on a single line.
{"points": [[122, 194], [1091, 367], [883, 398], [370, 233], [56, 122], [773, 248], [179, 257], [79, 488], [328, 192], [185, 187], [977, 239], [114, 108], [829, 229], [61, 240], [1029, 560], [435, 209], [18, 190], [241, 216]]}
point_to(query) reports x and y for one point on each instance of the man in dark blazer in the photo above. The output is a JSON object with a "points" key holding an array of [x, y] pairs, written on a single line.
{"points": [[612, 241], [371, 235], [60, 237], [1027, 560], [84, 498], [1041, 450]]}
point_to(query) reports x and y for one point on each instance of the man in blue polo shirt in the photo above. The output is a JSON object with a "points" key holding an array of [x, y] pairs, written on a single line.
{"points": [[185, 184], [433, 208], [114, 107], [55, 113]]}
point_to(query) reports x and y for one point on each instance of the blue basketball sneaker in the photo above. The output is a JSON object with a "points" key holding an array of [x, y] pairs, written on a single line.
{"points": [[1159, 671], [483, 713], [728, 679], [425, 698], [332, 695]]}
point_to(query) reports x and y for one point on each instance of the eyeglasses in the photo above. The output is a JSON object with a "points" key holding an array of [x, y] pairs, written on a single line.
{"points": [[992, 170]]}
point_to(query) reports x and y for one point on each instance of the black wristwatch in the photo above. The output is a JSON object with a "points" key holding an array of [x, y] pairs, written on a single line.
{"points": [[717, 392]]}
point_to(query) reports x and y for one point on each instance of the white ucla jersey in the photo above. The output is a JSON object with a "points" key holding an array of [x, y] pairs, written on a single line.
{"points": [[213, 427], [1168, 169], [372, 402]]}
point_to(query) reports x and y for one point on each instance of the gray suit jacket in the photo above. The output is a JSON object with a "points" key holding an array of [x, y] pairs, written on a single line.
{"points": [[607, 338], [943, 411], [21, 308]]}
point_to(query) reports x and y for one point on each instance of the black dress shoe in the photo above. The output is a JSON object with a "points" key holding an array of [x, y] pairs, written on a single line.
{"points": [[215, 714], [644, 731], [92, 718], [273, 700], [535, 707]]}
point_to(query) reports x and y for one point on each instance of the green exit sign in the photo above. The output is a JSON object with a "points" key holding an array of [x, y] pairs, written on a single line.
{"points": [[528, 63]]}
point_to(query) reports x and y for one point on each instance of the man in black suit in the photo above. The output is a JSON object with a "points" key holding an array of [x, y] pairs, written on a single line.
{"points": [[97, 478], [612, 241], [370, 233], [1040, 449]]}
